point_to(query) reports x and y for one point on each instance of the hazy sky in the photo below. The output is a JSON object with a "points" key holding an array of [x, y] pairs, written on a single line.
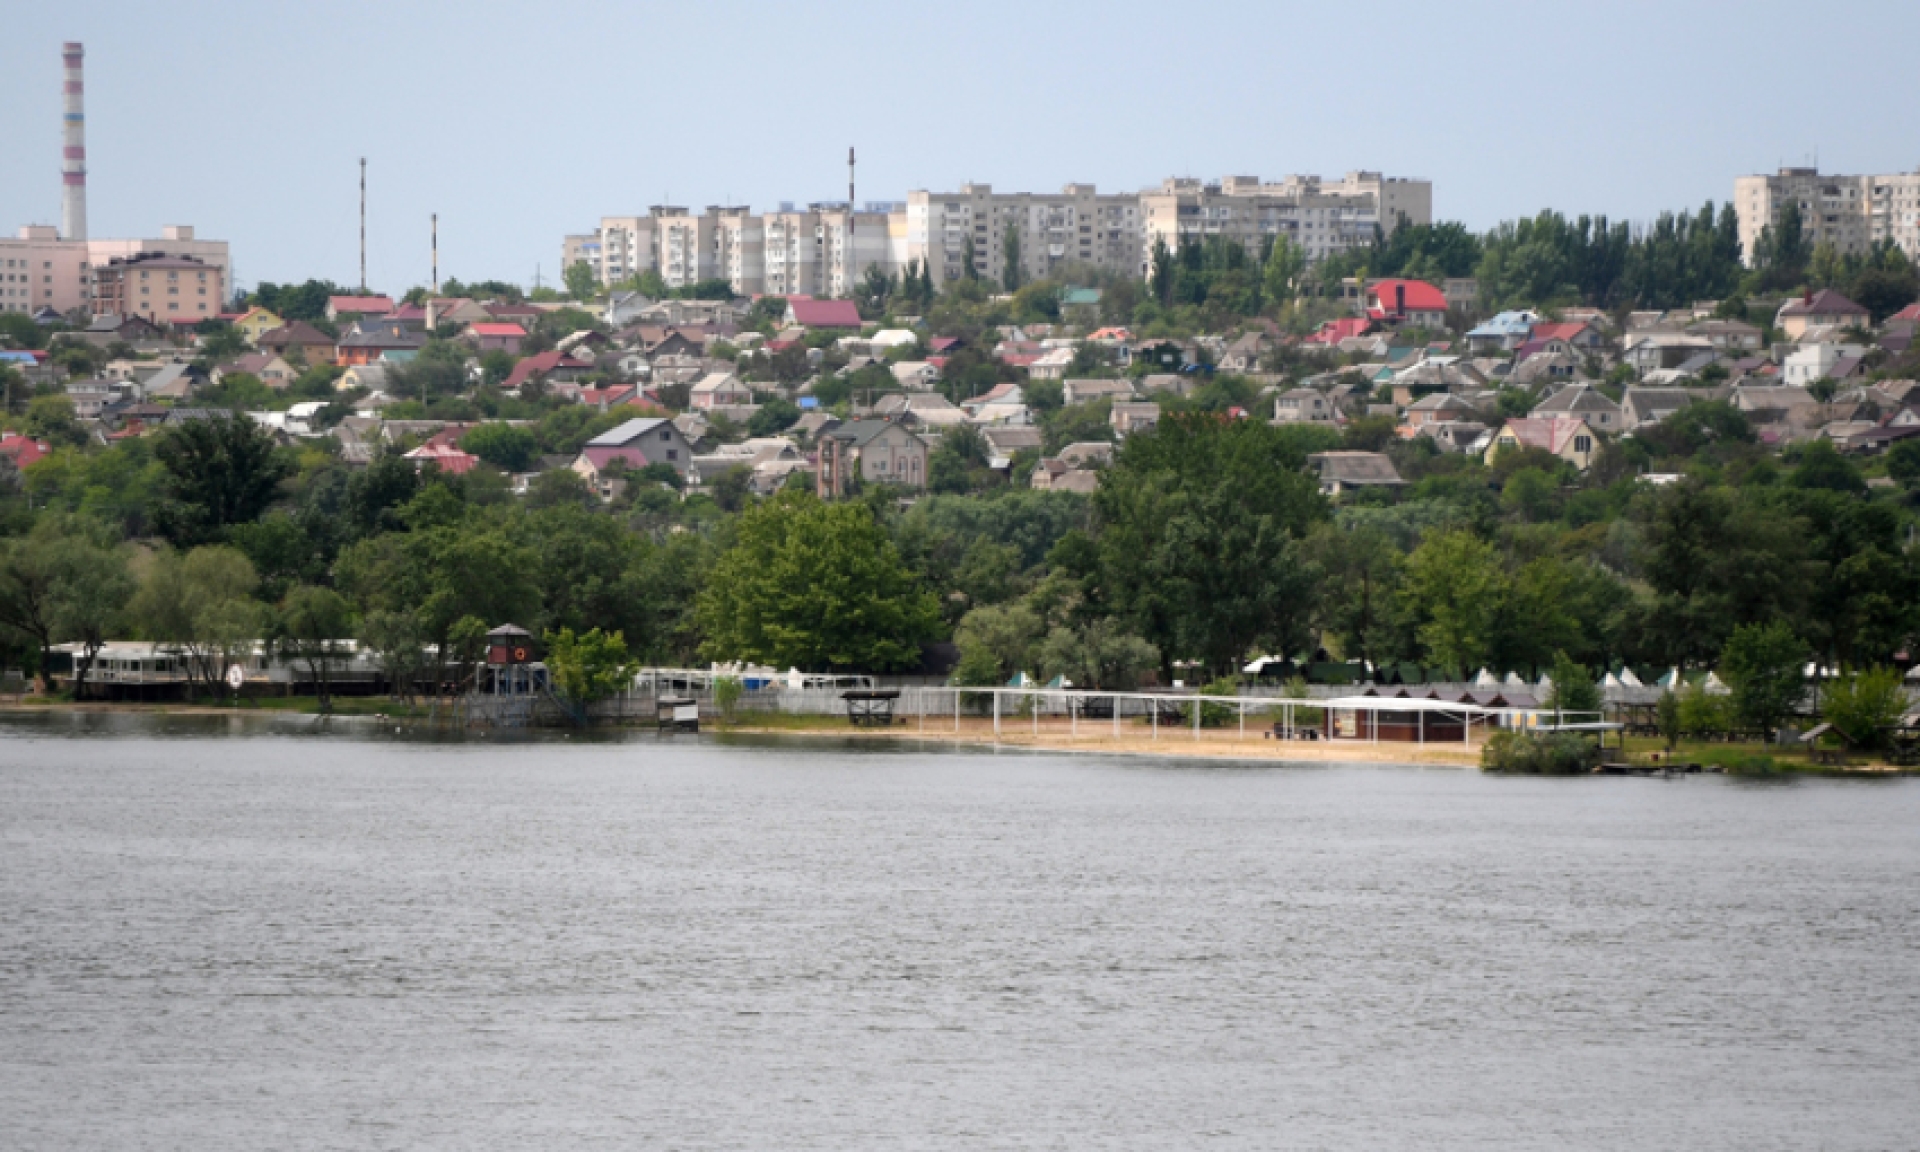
{"points": [[520, 122]]}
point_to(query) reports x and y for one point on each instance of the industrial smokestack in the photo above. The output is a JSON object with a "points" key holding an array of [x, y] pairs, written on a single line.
{"points": [[73, 164]]}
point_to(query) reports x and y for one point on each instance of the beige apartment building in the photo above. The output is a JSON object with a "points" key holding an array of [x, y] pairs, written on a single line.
{"points": [[1852, 213], [1322, 218], [39, 270], [158, 287]]}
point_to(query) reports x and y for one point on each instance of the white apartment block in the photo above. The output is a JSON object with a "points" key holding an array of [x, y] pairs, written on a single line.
{"points": [[1322, 218], [1852, 213], [1077, 226], [825, 249]]}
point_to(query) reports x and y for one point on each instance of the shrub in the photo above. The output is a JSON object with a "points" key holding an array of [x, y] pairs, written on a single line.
{"points": [[1539, 754], [727, 691]]}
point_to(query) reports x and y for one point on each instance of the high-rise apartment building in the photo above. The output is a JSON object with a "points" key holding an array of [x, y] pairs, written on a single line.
{"points": [[825, 249], [1074, 227], [1321, 218], [159, 287], [1852, 213]]}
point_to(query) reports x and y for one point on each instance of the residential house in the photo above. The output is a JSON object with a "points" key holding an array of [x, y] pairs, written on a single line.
{"points": [[1081, 390], [1652, 349], [1504, 332], [1811, 362], [1546, 368], [269, 369], [1584, 401], [1642, 407], [494, 336], [1133, 416], [90, 397], [916, 375], [1567, 437], [1334, 333], [23, 451], [256, 322], [366, 343], [110, 328], [1304, 406], [1087, 454], [1823, 309], [1052, 474], [347, 309], [1051, 365], [1003, 397], [1580, 336], [817, 314], [1342, 472], [1407, 303], [1005, 441], [1732, 337], [369, 377], [871, 452], [1245, 355], [925, 408], [553, 367], [298, 343], [443, 456], [634, 445], [1455, 436], [720, 390], [1769, 403], [1439, 408]]}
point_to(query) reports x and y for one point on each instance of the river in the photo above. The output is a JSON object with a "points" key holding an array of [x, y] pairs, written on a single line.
{"points": [[245, 934]]}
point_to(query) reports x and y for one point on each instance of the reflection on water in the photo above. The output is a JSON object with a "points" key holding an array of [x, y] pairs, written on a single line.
{"points": [[267, 932]]}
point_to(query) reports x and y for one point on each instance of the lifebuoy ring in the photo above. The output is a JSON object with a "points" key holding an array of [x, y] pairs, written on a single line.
{"points": [[519, 655]]}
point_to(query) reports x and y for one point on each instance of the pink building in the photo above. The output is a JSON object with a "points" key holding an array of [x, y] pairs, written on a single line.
{"points": [[40, 270]]}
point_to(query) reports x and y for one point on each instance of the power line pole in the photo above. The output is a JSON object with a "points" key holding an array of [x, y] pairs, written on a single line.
{"points": [[436, 253]]}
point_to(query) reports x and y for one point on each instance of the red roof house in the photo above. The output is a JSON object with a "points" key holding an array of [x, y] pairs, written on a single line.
{"points": [[446, 457], [354, 307], [500, 336], [1334, 331], [1412, 302], [23, 450], [546, 364], [823, 313]]}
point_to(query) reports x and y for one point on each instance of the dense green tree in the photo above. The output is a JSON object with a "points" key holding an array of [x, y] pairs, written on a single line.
{"points": [[582, 283], [509, 447], [1012, 273], [1455, 587], [219, 472], [1573, 690], [200, 605], [1200, 522], [1764, 665], [1097, 654], [1286, 263], [815, 586], [65, 582], [1864, 707], [315, 627], [589, 666]]}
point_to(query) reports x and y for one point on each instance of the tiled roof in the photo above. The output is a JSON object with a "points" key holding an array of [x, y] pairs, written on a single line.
{"points": [[825, 313], [364, 305], [1825, 302]]}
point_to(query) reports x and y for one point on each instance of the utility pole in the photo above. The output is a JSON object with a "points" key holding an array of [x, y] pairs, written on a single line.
{"points": [[436, 253], [363, 224]]}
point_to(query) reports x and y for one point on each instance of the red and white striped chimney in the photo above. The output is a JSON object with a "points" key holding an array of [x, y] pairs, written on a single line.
{"points": [[73, 165]]}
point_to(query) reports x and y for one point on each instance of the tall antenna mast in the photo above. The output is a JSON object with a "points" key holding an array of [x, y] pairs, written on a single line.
{"points": [[849, 202], [436, 253], [363, 224]]}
